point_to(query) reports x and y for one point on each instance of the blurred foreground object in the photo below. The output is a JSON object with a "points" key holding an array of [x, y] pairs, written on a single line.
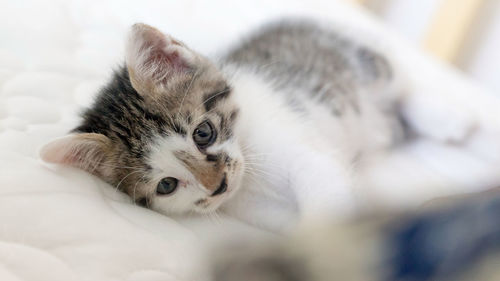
{"points": [[459, 240]]}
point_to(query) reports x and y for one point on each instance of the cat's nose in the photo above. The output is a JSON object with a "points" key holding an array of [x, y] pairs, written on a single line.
{"points": [[222, 187]]}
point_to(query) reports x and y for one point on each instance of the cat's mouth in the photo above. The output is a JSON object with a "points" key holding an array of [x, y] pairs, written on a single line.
{"points": [[227, 187], [213, 202], [222, 187]]}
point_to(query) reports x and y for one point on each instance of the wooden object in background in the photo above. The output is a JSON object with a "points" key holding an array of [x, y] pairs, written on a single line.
{"points": [[449, 27]]}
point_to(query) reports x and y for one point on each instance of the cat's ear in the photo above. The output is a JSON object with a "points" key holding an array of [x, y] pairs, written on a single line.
{"points": [[153, 58], [83, 150]]}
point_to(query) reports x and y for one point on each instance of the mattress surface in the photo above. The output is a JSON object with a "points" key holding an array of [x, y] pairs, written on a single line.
{"points": [[60, 223]]}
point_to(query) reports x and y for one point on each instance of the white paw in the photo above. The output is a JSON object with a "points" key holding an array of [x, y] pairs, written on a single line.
{"points": [[442, 119]]}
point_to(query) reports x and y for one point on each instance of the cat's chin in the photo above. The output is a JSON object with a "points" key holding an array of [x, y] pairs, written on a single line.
{"points": [[210, 207]]}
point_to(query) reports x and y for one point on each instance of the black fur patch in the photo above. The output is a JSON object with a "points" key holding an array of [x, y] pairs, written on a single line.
{"points": [[121, 113], [144, 202], [212, 158]]}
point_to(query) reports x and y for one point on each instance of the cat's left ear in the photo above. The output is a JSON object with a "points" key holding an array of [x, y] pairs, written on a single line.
{"points": [[86, 151], [154, 58]]}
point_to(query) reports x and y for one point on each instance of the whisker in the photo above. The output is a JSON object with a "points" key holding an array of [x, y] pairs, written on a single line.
{"points": [[217, 215], [119, 166], [204, 115], [188, 89], [214, 217], [120, 182], [135, 188], [260, 173], [212, 97], [259, 164]]}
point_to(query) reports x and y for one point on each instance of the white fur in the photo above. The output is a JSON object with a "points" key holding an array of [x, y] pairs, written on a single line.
{"points": [[183, 200], [165, 164], [300, 166], [297, 166]]}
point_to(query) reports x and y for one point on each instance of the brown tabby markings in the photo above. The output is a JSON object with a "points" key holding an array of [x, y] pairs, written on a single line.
{"points": [[209, 173], [131, 120]]}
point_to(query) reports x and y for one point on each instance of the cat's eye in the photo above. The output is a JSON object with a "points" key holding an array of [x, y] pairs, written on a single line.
{"points": [[204, 135], [167, 186]]}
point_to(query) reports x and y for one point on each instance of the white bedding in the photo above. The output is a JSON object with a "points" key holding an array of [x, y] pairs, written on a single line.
{"points": [[62, 224]]}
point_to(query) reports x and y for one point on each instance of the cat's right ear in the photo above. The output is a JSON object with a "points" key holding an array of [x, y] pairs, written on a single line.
{"points": [[154, 58], [86, 151]]}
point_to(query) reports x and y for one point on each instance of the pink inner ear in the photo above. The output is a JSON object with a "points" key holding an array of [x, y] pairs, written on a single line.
{"points": [[73, 158], [167, 62], [163, 54], [85, 151], [64, 152]]}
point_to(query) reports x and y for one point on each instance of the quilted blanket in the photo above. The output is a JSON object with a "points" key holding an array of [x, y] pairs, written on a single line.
{"points": [[62, 224]]}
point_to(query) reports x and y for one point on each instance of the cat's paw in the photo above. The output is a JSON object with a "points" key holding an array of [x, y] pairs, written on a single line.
{"points": [[440, 119]]}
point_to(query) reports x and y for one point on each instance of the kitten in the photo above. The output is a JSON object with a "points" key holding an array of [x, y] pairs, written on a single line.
{"points": [[267, 134]]}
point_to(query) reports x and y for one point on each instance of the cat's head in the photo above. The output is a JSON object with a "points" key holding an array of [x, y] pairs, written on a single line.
{"points": [[162, 130]]}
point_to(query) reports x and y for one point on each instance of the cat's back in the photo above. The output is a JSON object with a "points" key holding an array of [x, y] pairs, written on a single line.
{"points": [[302, 54], [337, 83]]}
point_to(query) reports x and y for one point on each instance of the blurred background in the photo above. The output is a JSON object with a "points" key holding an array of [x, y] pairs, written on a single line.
{"points": [[465, 33]]}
